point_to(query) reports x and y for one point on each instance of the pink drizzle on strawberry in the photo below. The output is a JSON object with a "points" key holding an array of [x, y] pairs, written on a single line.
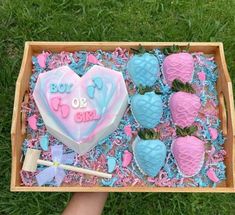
{"points": [[178, 66], [184, 108], [189, 153]]}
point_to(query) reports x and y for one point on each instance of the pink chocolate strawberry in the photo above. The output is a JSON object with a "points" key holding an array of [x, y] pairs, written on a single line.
{"points": [[184, 105], [178, 66], [189, 152]]}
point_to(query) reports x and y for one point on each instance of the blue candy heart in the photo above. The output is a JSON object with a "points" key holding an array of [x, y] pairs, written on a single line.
{"points": [[44, 142], [111, 164], [149, 155]]}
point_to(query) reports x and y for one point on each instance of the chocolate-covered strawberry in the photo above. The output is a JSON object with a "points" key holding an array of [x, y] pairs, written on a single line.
{"points": [[178, 66], [143, 68], [184, 105], [147, 107], [149, 152], [188, 151]]}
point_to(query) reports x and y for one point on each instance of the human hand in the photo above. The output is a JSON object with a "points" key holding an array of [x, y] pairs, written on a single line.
{"points": [[86, 204]]}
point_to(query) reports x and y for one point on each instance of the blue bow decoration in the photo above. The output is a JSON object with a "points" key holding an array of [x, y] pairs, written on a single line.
{"points": [[55, 172]]}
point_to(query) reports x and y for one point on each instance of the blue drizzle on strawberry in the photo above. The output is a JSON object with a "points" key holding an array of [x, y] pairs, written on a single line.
{"points": [[147, 109], [144, 69]]}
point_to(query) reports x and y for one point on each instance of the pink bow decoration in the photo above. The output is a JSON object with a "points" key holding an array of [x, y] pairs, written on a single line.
{"points": [[55, 172]]}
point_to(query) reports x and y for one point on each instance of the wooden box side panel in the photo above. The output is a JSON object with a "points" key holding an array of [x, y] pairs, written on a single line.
{"points": [[38, 47], [125, 189], [17, 134], [226, 112], [32, 48]]}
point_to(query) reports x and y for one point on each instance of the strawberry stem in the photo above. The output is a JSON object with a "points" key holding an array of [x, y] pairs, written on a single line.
{"points": [[174, 49], [148, 134], [142, 90], [178, 85], [185, 131], [141, 50]]}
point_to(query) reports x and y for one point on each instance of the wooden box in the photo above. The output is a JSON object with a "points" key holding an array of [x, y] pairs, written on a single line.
{"points": [[226, 111]]}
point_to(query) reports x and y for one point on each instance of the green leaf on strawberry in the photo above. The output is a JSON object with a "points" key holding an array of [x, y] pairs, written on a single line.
{"points": [[148, 134], [142, 90], [187, 131], [174, 49], [178, 85], [141, 50]]}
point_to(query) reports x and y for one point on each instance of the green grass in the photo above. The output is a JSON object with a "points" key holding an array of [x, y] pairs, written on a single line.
{"points": [[92, 20]]}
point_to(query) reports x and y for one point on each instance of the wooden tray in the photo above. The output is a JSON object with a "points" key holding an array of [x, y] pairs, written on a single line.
{"points": [[226, 112]]}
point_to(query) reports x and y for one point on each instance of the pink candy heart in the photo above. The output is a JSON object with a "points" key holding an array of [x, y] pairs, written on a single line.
{"points": [[213, 133], [128, 131], [127, 157], [32, 120], [42, 59], [212, 176], [201, 76]]}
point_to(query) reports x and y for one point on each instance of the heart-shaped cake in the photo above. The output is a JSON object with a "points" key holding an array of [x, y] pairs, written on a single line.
{"points": [[149, 155], [80, 111]]}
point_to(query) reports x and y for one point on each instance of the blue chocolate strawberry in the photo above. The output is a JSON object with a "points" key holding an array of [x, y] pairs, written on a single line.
{"points": [[149, 152], [147, 108], [143, 68]]}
